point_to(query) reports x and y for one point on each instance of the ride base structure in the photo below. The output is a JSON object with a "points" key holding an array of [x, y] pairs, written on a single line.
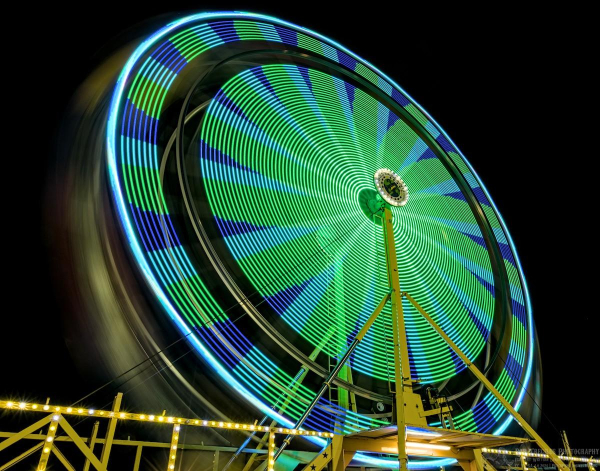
{"points": [[409, 435]]}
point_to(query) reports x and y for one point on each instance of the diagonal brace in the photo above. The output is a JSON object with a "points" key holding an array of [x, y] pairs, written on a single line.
{"points": [[481, 377], [62, 458], [22, 456], [81, 444], [26, 431], [335, 371]]}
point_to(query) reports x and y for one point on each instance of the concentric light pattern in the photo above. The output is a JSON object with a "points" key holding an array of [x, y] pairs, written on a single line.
{"points": [[298, 146], [284, 151]]}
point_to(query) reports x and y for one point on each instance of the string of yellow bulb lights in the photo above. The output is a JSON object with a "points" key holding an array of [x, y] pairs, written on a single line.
{"points": [[57, 411], [157, 418], [529, 454]]}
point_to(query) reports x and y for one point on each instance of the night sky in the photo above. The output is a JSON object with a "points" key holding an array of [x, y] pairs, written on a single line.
{"points": [[509, 88]]}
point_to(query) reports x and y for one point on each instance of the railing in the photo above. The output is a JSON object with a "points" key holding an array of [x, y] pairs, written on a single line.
{"points": [[55, 417]]}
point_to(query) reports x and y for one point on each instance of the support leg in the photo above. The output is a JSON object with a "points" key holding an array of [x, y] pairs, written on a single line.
{"points": [[216, 461], [173, 447], [507, 405], [22, 456], [271, 453], [110, 433], [79, 443], [332, 375], [48, 443], [401, 362], [65, 462], [86, 466], [138, 458], [26, 431]]}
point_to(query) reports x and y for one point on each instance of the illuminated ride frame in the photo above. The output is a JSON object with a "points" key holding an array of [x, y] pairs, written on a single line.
{"points": [[276, 106], [410, 431]]}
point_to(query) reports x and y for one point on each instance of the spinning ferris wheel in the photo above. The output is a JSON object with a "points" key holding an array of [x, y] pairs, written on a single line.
{"points": [[305, 224]]}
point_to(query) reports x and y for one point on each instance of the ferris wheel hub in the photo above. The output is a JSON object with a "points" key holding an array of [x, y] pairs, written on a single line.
{"points": [[391, 187]]}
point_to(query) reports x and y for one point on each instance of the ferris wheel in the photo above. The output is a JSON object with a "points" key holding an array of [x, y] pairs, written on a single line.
{"points": [[261, 173]]}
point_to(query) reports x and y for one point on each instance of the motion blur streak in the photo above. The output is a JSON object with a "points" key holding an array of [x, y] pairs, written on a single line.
{"points": [[110, 325]]}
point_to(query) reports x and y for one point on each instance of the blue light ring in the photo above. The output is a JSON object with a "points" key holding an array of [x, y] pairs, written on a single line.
{"points": [[122, 210]]}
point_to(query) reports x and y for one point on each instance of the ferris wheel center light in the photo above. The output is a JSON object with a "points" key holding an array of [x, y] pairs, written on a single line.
{"points": [[391, 187]]}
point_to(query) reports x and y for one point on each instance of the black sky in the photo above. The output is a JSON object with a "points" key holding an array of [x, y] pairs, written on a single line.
{"points": [[508, 86]]}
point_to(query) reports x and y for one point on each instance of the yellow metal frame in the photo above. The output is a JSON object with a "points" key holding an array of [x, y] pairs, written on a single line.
{"points": [[402, 374], [401, 361], [339, 450], [149, 418], [55, 418]]}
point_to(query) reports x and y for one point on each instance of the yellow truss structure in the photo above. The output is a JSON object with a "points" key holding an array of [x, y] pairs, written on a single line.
{"points": [[467, 448], [409, 436]]}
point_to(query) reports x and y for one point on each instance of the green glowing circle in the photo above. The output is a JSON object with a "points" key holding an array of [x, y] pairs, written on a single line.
{"points": [[282, 181], [259, 197]]}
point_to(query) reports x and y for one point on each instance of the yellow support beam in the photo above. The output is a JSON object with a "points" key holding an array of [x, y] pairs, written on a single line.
{"points": [[86, 466], [138, 458], [48, 443], [271, 452], [26, 431], [173, 449], [531, 454], [79, 443], [401, 361], [507, 405], [293, 387], [22, 456], [322, 459], [110, 433], [62, 459]]}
